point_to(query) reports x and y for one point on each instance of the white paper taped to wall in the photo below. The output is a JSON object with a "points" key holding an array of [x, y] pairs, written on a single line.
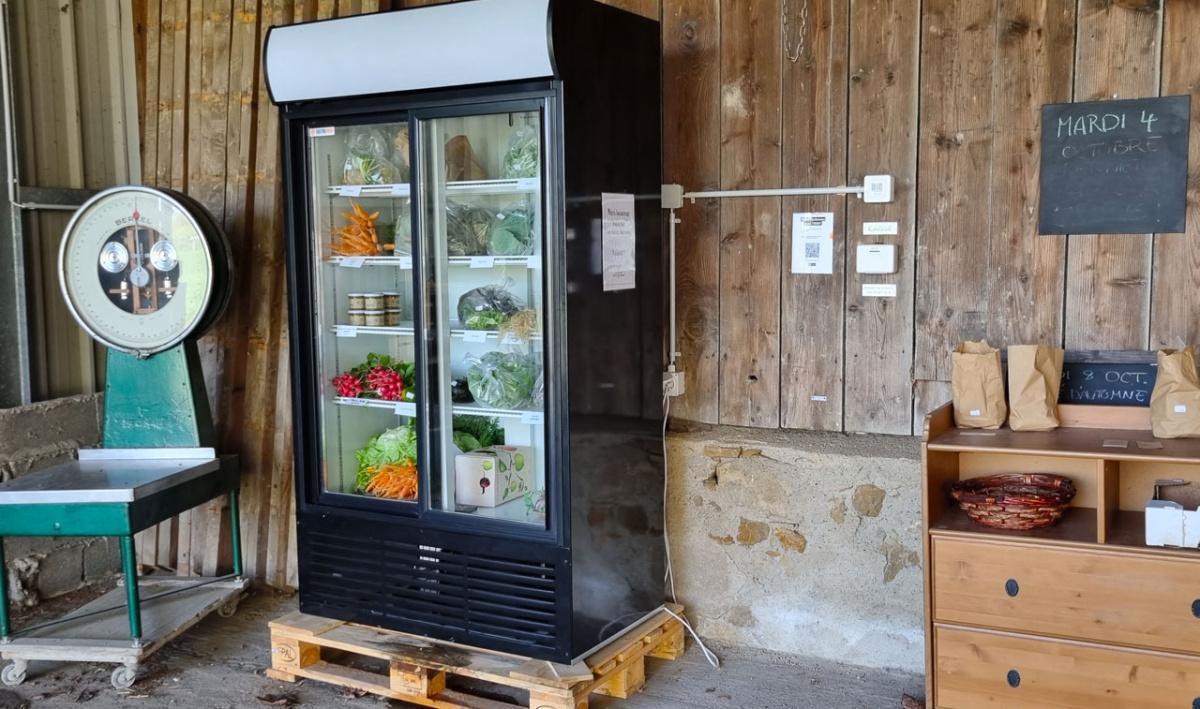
{"points": [[619, 241], [812, 242]]}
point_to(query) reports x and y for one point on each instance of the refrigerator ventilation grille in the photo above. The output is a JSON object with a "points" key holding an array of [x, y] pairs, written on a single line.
{"points": [[447, 593]]}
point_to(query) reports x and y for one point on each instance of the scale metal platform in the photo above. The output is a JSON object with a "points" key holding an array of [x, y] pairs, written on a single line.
{"points": [[144, 272]]}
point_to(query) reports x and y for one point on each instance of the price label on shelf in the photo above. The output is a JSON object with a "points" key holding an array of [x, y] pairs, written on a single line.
{"points": [[535, 262], [347, 331], [403, 408], [406, 263], [511, 339], [351, 190], [354, 402], [475, 336], [533, 418], [353, 261], [399, 190], [483, 261]]}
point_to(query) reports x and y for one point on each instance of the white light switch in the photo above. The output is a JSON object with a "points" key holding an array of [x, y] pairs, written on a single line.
{"points": [[876, 258]]}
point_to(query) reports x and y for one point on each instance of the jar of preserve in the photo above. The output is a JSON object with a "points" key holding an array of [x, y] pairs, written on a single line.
{"points": [[391, 300], [373, 301], [358, 317], [392, 317], [375, 318], [357, 301]]}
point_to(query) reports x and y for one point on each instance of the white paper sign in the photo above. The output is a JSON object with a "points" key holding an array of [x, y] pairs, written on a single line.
{"points": [[351, 190], [406, 263], [475, 336], [618, 237], [812, 242], [347, 331], [353, 261], [533, 418], [879, 290], [483, 261], [880, 228]]}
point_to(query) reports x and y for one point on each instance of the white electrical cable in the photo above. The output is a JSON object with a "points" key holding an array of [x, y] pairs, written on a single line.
{"points": [[669, 574]]}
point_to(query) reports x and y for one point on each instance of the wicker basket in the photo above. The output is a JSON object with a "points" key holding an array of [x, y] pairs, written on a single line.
{"points": [[1015, 500]]}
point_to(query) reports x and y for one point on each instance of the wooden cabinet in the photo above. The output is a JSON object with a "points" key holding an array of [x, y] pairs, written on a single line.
{"points": [[1080, 614]]}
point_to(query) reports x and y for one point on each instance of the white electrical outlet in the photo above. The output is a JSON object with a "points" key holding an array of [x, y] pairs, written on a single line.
{"points": [[673, 383]]}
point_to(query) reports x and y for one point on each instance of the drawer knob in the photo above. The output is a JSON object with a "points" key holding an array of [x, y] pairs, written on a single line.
{"points": [[1196, 611], [1196, 703], [1014, 679], [1012, 588]]}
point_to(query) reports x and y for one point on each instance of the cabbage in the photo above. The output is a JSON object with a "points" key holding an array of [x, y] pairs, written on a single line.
{"points": [[395, 445], [512, 234]]}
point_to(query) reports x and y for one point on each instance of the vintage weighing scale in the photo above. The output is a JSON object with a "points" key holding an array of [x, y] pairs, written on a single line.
{"points": [[144, 272]]}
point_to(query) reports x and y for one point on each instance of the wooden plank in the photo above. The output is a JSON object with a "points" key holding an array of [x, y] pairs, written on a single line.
{"points": [[1125, 418], [1174, 313], [1026, 275], [645, 8], [1108, 276], [814, 140], [958, 67], [883, 140], [281, 527], [1107, 498], [750, 253], [691, 33]]}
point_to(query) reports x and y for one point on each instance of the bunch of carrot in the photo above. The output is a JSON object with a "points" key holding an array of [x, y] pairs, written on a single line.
{"points": [[358, 238], [396, 481]]}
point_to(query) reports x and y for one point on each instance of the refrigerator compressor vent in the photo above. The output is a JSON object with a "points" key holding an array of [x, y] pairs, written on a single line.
{"points": [[456, 595]]}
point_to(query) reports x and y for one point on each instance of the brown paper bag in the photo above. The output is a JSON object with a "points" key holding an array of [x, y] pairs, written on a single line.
{"points": [[1175, 401], [978, 384], [1034, 377]]}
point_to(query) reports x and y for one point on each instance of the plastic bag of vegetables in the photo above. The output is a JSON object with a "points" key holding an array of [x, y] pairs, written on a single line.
{"points": [[475, 432], [512, 234], [521, 158], [367, 160], [504, 380], [488, 307], [467, 229], [395, 446]]}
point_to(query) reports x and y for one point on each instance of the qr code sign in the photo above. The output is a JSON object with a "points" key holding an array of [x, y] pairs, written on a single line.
{"points": [[812, 250]]}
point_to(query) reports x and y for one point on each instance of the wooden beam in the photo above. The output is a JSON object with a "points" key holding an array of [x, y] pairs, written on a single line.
{"points": [[815, 78], [750, 254], [691, 34]]}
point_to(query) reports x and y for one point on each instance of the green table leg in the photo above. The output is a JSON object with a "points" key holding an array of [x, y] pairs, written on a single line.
{"points": [[235, 528], [129, 564], [3, 594]]}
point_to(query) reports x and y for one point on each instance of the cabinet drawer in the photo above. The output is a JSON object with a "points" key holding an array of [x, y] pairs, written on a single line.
{"points": [[1126, 599], [986, 669]]}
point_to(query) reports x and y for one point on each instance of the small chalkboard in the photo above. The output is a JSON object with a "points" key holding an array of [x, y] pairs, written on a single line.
{"points": [[1108, 378], [1115, 167]]}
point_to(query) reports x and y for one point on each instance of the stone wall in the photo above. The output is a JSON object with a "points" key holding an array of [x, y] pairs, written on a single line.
{"points": [[31, 438], [799, 542]]}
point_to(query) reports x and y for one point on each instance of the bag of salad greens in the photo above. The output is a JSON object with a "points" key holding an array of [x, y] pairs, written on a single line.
{"points": [[488, 307]]}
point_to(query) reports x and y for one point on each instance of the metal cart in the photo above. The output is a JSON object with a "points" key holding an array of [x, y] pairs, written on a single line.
{"points": [[118, 493]]}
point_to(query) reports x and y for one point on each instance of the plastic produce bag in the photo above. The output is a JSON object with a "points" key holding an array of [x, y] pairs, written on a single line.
{"points": [[512, 234], [505, 380], [367, 163], [467, 229], [521, 158], [488, 307]]}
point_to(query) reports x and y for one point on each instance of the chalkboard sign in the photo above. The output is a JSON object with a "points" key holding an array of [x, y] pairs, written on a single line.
{"points": [[1108, 378], [1115, 167]]}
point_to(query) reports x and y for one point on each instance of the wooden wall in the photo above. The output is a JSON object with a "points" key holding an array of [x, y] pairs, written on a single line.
{"points": [[945, 95], [76, 127], [942, 94]]}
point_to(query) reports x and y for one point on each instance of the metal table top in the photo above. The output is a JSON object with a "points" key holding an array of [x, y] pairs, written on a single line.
{"points": [[110, 475]]}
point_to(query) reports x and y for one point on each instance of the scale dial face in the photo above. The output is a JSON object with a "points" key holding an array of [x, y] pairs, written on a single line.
{"points": [[136, 269]]}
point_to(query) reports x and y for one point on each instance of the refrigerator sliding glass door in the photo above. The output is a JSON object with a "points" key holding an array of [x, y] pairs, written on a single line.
{"points": [[361, 245], [482, 233]]}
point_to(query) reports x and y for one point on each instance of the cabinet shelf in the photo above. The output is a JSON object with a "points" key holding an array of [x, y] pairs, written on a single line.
{"points": [[350, 331], [1069, 443], [523, 185]]}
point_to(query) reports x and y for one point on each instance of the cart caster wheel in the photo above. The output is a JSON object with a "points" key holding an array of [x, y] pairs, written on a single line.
{"points": [[124, 677], [227, 610], [13, 674]]}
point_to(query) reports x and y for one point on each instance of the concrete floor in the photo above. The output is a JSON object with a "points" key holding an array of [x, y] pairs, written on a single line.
{"points": [[220, 664]]}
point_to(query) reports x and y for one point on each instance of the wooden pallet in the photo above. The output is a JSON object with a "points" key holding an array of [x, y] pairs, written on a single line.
{"points": [[415, 669]]}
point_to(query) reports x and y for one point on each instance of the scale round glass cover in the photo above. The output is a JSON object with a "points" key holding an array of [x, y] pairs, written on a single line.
{"points": [[141, 269]]}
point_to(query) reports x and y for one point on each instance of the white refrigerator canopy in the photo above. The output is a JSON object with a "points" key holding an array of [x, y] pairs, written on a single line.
{"points": [[455, 44]]}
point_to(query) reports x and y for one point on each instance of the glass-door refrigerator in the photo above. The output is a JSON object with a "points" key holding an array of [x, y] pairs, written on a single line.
{"points": [[476, 314]]}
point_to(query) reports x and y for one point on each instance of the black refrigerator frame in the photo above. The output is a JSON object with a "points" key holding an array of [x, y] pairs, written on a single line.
{"points": [[487, 583]]}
